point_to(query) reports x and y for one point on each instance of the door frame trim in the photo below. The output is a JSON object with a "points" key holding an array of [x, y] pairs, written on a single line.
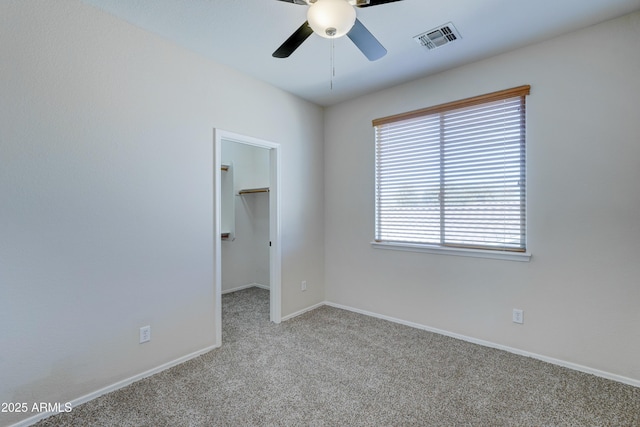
{"points": [[275, 258]]}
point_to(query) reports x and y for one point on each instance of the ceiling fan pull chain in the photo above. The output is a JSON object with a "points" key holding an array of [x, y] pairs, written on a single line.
{"points": [[333, 65], [333, 54]]}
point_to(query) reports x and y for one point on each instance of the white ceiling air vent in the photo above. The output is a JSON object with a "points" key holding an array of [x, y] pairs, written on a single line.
{"points": [[439, 36]]}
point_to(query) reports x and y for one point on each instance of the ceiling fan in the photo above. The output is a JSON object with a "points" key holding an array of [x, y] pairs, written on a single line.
{"points": [[333, 19]]}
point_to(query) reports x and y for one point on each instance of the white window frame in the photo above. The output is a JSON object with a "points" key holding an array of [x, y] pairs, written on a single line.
{"points": [[505, 253]]}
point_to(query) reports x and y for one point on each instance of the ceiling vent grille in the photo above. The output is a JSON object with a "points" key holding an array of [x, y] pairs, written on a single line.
{"points": [[438, 37]]}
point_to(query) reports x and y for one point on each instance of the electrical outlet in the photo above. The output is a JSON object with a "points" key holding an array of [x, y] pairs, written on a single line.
{"points": [[518, 316], [145, 334], [303, 285]]}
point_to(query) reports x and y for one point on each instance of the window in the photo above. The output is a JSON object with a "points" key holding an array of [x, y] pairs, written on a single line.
{"points": [[453, 176]]}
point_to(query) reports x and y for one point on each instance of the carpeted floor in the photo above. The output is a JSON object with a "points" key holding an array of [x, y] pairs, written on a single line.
{"points": [[331, 367]]}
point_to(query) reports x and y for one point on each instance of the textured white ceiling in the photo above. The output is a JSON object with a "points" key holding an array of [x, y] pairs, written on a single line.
{"points": [[244, 33]]}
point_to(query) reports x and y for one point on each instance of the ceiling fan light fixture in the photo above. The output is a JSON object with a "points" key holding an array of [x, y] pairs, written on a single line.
{"points": [[331, 18]]}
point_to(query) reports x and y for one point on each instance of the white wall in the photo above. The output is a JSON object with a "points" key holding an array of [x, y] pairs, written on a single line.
{"points": [[245, 258], [580, 291], [106, 217]]}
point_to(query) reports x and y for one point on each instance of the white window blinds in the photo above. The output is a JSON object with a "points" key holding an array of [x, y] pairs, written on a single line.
{"points": [[454, 175]]}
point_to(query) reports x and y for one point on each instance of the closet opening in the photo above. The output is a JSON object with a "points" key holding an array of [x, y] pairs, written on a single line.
{"points": [[246, 219]]}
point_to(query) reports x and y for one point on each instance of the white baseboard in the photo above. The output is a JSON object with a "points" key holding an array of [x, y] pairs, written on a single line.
{"points": [[113, 387], [250, 285], [304, 310], [563, 363]]}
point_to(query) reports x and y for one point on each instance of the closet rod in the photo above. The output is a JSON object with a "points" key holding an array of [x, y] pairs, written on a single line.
{"points": [[254, 190]]}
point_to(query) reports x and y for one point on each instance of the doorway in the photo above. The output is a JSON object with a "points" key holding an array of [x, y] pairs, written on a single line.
{"points": [[272, 192]]}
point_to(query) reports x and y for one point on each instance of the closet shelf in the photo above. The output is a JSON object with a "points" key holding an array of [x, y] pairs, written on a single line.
{"points": [[254, 190]]}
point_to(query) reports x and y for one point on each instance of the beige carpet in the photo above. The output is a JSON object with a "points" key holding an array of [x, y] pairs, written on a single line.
{"points": [[331, 367]]}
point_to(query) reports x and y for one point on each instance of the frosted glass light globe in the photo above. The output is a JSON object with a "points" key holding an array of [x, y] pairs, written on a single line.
{"points": [[331, 18]]}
